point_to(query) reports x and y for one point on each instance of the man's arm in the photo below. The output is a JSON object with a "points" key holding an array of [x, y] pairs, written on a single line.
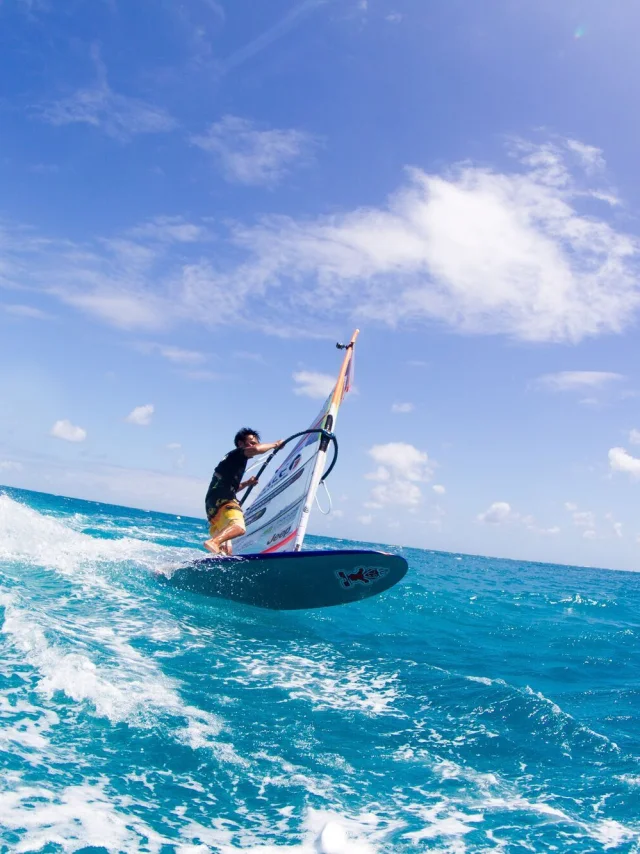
{"points": [[262, 448]]}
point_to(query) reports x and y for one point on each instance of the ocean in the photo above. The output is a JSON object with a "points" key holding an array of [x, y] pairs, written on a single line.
{"points": [[482, 705]]}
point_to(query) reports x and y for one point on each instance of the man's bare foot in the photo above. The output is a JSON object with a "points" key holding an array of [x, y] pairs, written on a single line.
{"points": [[213, 547]]}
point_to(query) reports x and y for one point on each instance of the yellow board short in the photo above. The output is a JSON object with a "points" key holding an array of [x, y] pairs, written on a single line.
{"points": [[228, 512]]}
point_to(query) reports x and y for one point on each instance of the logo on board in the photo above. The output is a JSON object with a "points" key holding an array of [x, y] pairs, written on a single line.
{"points": [[360, 575]]}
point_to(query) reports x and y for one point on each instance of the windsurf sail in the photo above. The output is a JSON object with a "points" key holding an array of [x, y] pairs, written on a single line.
{"points": [[277, 518]]}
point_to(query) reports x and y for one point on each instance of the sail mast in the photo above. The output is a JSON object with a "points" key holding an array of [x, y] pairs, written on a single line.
{"points": [[329, 423]]}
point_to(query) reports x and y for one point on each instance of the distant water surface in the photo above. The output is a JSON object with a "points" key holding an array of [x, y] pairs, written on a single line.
{"points": [[482, 705]]}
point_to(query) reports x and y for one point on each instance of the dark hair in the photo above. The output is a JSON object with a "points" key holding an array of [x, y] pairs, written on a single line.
{"points": [[241, 435]]}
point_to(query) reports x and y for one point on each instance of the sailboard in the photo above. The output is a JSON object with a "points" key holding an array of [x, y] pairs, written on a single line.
{"points": [[269, 568]]}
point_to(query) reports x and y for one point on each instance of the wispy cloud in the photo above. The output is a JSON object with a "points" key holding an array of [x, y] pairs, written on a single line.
{"points": [[590, 156], [170, 229], [27, 311], [279, 29], [249, 356], [482, 251], [580, 518], [313, 384], [402, 408], [173, 493], [124, 310], [249, 155], [202, 375], [44, 168], [577, 380], [176, 355], [10, 465], [119, 116]]}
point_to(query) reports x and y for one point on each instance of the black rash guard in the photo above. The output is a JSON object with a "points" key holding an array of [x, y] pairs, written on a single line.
{"points": [[226, 480]]}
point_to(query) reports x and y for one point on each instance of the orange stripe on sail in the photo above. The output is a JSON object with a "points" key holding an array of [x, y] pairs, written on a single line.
{"points": [[279, 545], [339, 391]]}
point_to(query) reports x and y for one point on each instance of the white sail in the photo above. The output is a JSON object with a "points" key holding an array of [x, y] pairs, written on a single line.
{"points": [[277, 519]]}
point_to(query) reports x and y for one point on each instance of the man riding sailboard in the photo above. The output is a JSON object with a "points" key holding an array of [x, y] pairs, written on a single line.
{"points": [[272, 569], [226, 521]]}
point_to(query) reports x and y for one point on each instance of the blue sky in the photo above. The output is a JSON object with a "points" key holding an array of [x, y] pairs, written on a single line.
{"points": [[199, 199]]}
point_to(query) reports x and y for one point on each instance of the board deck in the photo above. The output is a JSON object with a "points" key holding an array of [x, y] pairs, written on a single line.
{"points": [[293, 580]]}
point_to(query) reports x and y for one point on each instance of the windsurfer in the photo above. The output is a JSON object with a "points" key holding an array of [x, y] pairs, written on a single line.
{"points": [[224, 513]]}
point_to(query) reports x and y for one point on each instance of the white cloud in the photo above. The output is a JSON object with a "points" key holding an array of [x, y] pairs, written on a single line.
{"points": [[174, 446], [439, 488], [589, 535], [401, 459], [400, 468], [621, 460], [400, 493], [394, 17], [634, 437], [402, 407], [141, 415], [10, 465], [498, 513], [617, 529], [483, 251], [570, 506], [119, 116], [313, 384], [365, 520], [577, 380], [486, 252], [64, 429], [251, 156]]}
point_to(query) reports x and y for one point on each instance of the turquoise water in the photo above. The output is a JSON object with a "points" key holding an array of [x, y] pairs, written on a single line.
{"points": [[482, 705]]}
